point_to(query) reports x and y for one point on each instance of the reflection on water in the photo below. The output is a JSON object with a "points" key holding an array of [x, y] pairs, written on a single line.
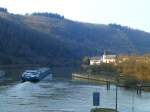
{"points": [[64, 95]]}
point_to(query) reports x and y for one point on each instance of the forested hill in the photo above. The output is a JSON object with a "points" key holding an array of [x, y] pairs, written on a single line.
{"points": [[47, 38]]}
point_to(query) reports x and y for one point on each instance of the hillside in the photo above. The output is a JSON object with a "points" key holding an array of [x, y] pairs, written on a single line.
{"points": [[46, 38]]}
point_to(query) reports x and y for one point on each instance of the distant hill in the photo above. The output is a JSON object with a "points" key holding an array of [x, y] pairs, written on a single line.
{"points": [[46, 38]]}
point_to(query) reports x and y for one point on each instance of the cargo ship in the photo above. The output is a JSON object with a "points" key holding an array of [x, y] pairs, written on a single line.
{"points": [[35, 75]]}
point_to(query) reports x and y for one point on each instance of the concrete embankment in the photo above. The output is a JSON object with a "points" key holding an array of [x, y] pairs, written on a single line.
{"points": [[92, 77]]}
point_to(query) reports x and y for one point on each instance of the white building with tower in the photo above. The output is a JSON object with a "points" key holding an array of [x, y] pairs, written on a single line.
{"points": [[109, 58], [105, 58], [95, 60]]}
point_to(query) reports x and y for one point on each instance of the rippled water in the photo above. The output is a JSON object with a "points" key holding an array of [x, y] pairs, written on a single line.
{"points": [[66, 96]]}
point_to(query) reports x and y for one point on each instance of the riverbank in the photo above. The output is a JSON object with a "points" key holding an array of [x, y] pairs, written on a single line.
{"points": [[103, 110], [93, 77], [122, 82]]}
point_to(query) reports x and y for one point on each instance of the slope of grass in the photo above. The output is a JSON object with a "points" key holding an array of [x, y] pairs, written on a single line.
{"points": [[103, 110]]}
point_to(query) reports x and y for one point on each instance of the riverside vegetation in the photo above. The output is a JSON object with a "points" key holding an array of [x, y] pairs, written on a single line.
{"points": [[131, 70]]}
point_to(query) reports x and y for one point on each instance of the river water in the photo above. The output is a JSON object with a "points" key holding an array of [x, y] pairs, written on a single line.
{"points": [[66, 95]]}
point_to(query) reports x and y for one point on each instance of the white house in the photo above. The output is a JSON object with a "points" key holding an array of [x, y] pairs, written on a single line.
{"points": [[105, 58], [109, 58], [95, 60]]}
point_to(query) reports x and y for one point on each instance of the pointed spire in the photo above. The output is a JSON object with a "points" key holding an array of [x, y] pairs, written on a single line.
{"points": [[105, 52]]}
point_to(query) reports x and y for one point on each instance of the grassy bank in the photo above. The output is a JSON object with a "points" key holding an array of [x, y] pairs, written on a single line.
{"points": [[103, 110], [100, 79], [93, 77]]}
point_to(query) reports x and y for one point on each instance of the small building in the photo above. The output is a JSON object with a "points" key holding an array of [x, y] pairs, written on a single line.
{"points": [[95, 60], [105, 58]]}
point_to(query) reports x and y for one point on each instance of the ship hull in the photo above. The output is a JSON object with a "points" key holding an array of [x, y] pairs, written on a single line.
{"points": [[41, 75]]}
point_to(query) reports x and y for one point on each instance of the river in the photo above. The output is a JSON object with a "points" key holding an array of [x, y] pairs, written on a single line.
{"points": [[65, 95]]}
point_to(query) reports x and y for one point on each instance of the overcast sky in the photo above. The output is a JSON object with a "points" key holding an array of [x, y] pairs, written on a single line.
{"points": [[132, 13]]}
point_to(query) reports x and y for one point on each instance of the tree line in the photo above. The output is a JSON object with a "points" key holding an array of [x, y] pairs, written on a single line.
{"points": [[46, 14], [137, 67], [131, 67]]}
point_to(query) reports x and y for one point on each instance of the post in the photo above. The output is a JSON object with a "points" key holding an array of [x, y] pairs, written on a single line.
{"points": [[117, 81], [108, 85], [96, 99], [139, 89], [133, 102], [116, 97]]}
